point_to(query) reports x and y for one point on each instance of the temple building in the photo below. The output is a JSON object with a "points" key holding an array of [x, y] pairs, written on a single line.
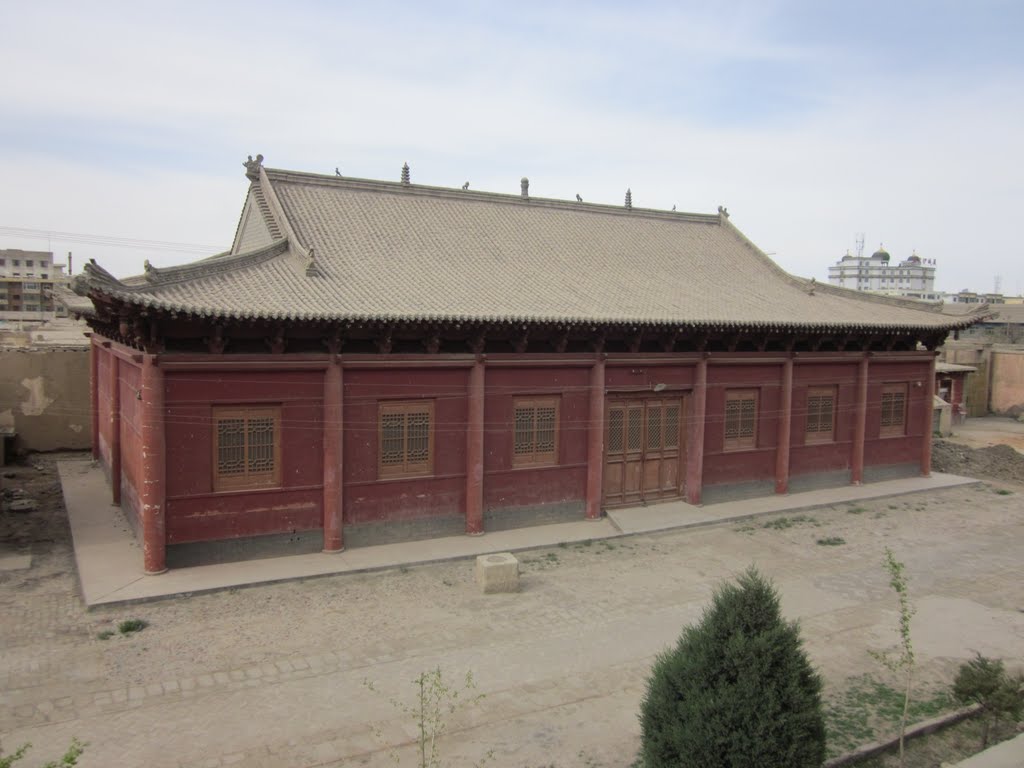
{"points": [[375, 361]]}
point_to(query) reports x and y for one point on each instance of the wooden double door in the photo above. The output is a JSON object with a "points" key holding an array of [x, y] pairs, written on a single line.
{"points": [[645, 448]]}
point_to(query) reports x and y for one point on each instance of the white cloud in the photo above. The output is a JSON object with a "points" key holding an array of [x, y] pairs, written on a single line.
{"points": [[916, 161]]}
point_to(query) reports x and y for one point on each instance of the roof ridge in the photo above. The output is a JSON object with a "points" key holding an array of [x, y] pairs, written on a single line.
{"points": [[226, 262], [281, 216], [877, 298], [268, 217], [426, 190]]}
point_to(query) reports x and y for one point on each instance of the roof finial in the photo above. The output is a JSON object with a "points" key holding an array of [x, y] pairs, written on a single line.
{"points": [[524, 187], [313, 268], [465, 186], [673, 206], [629, 199], [723, 212], [252, 167], [337, 171], [405, 173], [578, 198]]}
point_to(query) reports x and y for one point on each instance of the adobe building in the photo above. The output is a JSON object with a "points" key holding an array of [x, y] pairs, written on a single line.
{"points": [[374, 361], [951, 387]]}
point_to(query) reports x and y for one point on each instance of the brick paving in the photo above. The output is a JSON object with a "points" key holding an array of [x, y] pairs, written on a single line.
{"points": [[276, 675]]}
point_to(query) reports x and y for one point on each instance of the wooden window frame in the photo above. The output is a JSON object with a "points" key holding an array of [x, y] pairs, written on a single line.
{"points": [[405, 468], [819, 435], [893, 429], [246, 480], [743, 442], [534, 458]]}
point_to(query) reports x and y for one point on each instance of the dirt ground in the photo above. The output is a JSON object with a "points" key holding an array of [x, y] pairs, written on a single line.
{"points": [[278, 675], [990, 431]]}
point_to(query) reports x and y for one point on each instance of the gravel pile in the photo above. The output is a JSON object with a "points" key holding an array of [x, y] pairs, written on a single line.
{"points": [[998, 462]]}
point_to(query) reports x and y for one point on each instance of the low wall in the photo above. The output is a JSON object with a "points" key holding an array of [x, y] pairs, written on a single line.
{"points": [[998, 385], [1008, 382], [44, 397]]}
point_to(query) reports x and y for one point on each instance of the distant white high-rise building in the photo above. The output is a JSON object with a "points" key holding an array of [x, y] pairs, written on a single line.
{"points": [[912, 278], [27, 279]]}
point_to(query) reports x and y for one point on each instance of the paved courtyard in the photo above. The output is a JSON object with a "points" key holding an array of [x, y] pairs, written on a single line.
{"points": [[277, 675]]}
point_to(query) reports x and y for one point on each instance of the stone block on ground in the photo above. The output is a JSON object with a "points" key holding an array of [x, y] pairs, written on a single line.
{"points": [[497, 572]]}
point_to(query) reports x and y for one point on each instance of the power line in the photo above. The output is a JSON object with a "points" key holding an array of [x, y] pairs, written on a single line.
{"points": [[111, 240]]}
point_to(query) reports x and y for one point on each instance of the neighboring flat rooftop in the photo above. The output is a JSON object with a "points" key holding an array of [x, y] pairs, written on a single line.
{"points": [[59, 332]]}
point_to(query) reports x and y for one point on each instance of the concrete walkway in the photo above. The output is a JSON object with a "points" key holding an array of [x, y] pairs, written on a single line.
{"points": [[1009, 754], [109, 559]]}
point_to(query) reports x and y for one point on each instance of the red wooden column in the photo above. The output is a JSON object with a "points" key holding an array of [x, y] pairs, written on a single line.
{"points": [[860, 423], [115, 429], [154, 469], [785, 429], [475, 450], [595, 441], [926, 437], [94, 394], [695, 437], [333, 478]]}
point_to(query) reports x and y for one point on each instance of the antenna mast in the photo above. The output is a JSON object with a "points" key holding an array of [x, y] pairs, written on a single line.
{"points": [[860, 245]]}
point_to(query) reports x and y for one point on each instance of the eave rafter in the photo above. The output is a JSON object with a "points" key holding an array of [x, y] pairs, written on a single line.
{"points": [[154, 329]]}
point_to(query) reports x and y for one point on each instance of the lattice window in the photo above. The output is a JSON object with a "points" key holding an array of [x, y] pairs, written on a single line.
{"points": [[671, 426], [246, 447], [634, 429], [616, 420], [740, 419], [535, 436], [894, 410], [406, 439], [821, 415], [653, 427]]}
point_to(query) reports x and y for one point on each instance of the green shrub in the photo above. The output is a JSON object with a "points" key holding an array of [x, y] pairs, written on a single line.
{"points": [[984, 682], [128, 626], [737, 691], [832, 541]]}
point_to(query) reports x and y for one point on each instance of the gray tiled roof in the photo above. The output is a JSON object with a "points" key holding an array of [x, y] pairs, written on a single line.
{"points": [[357, 249]]}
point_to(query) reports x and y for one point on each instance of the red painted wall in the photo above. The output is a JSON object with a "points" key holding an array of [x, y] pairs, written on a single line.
{"points": [[879, 451], [807, 458], [103, 357], [367, 498], [721, 466], [194, 511], [131, 440], [645, 377], [506, 486]]}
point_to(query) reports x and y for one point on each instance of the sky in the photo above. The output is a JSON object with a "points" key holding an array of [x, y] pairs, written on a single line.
{"points": [[123, 126]]}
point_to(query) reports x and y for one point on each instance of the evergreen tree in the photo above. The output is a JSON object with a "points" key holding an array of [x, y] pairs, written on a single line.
{"points": [[737, 691]]}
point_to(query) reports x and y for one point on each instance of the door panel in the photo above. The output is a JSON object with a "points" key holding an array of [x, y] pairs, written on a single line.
{"points": [[644, 442]]}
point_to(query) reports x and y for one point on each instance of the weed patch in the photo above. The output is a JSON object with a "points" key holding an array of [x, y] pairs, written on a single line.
{"points": [[857, 510], [832, 541], [106, 634], [867, 710], [129, 626], [782, 523]]}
